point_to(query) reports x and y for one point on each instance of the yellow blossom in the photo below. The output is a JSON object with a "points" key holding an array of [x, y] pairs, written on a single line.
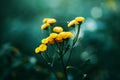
{"points": [[43, 47], [44, 41], [72, 23], [57, 29], [69, 34], [62, 34], [59, 39], [51, 21], [53, 35], [80, 19], [37, 50], [50, 40], [66, 35], [45, 20], [44, 26]]}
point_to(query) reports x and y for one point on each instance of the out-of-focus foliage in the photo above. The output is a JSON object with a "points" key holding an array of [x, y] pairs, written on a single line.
{"points": [[20, 22]]}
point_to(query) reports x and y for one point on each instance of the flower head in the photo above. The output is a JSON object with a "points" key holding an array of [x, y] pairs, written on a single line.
{"points": [[63, 35], [72, 23], [80, 19], [37, 50], [50, 40], [66, 35], [57, 29], [43, 47], [69, 34], [53, 35], [58, 39], [51, 21], [45, 20], [44, 26], [44, 41]]}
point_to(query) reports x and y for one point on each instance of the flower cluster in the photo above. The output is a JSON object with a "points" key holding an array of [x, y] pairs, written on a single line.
{"points": [[77, 20], [41, 48], [58, 34], [61, 42], [47, 22]]}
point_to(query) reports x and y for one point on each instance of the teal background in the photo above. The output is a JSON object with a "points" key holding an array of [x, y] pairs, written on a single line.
{"points": [[20, 34]]}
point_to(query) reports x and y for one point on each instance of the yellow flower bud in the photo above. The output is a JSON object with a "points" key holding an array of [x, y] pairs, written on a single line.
{"points": [[44, 41], [53, 35], [72, 23], [59, 39], [43, 47], [69, 34], [62, 34], [66, 35], [45, 20], [50, 40], [57, 29], [80, 19], [51, 21], [37, 50], [44, 26]]}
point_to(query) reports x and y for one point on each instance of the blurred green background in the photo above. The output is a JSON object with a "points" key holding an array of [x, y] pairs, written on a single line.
{"points": [[20, 34]]}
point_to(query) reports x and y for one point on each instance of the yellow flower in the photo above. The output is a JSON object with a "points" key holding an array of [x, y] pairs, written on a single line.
{"points": [[80, 19], [62, 34], [59, 39], [51, 21], [44, 41], [72, 23], [50, 40], [43, 47], [45, 20], [44, 26], [66, 35], [69, 34], [37, 50], [53, 35], [57, 29]]}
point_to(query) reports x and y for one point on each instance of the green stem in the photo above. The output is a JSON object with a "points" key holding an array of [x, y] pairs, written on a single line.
{"points": [[44, 58], [76, 37], [49, 64], [63, 66], [49, 59], [69, 57], [74, 42]]}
